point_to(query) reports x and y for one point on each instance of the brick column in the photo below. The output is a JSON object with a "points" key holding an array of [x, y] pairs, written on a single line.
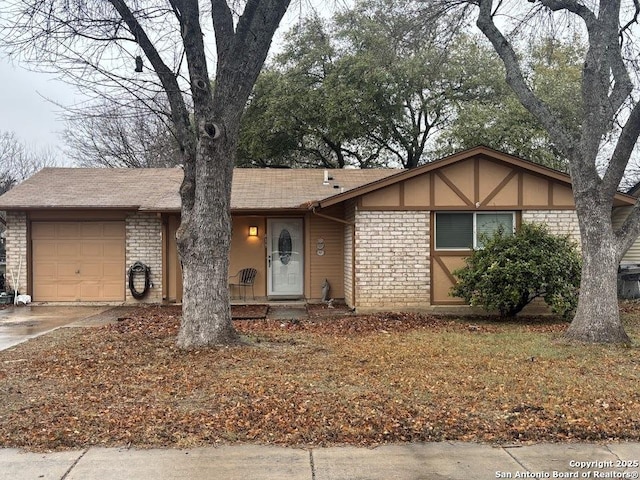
{"points": [[144, 244], [16, 242], [348, 253]]}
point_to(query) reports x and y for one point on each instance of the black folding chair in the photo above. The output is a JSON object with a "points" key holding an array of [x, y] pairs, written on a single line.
{"points": [[243, 279]]}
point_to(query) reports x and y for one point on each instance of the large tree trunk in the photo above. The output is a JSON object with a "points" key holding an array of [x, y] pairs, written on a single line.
{"points": [[204, 239], [204, 236], [597, 318]]}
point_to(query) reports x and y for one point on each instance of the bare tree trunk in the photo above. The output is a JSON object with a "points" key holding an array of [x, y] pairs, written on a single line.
{"points": [[204, 239], [597, 318], [204, 236]]}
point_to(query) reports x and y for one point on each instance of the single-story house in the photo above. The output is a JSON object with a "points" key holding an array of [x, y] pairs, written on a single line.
{"points": [[383, 239]]}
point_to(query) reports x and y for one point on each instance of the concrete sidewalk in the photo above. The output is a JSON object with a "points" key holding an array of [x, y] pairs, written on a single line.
{"points": [[412, 461]]}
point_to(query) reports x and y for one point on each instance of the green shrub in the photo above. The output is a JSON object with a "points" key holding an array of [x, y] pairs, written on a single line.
{"points": [[513, 269]]}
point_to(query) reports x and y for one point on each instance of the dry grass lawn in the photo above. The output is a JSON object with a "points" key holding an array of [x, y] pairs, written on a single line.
{"points": [[360, 380]]}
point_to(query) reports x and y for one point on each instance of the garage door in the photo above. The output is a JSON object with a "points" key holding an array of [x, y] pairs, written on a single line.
{"points": [[78, 261]]}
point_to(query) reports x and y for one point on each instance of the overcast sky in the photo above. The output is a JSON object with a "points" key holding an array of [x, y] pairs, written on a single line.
{"points": [[24, 108]]}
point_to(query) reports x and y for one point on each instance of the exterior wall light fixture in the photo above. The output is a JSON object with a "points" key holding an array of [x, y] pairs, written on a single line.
{"points": [[253, 231]]}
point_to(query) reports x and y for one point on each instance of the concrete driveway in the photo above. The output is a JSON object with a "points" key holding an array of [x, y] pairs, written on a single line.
{"points": [[18, 324]]}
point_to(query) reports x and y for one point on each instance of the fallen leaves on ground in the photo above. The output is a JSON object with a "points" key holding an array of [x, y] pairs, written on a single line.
{"points": [[360, 380]]}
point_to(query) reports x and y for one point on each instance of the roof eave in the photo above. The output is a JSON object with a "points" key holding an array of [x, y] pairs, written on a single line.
{"points": [[481, 151], [269, 211], [68, 207]]}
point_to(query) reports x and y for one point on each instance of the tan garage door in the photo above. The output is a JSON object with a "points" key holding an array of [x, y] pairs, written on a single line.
{"points": [[78, 261]]}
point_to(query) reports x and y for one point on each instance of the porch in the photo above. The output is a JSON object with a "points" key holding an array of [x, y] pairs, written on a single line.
{"points": [[292, 253], [286, 310]]}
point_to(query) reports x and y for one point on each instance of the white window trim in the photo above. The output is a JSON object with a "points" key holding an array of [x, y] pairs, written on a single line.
{"points": [[475, 231]]}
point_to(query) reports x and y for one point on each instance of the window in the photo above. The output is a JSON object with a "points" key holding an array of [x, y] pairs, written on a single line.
{"points": [[463, 230], [454, 231]]}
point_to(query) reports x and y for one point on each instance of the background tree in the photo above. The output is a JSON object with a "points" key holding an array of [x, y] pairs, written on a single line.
{"points": [[371, 87], [122, 135], [609, 126], [497, 118], [408, 73], [94, 43], [380, 86], [293, 116], [18, 161]]}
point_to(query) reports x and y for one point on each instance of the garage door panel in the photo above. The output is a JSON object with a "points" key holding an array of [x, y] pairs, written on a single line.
{"points": [[43, 230], [112, 292], [113, 271], [67, 270], [113, 230], [91, 230], [113, 250], [102, 230], [76, 261], [67, 230], [46, 271], [107, 272], [46, 291], [92, 249], [67, 248], [105, 291], [67, 292], [45, 248], [91, 271], [90, 290]]}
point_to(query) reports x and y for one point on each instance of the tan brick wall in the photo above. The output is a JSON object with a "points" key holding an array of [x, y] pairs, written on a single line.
{"points": [[144, 244], [16, 242], [350, 216], [559, 222], [392, 260]]}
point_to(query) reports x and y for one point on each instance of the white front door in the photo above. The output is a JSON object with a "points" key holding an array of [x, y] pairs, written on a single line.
{"points": [[285, 267]]}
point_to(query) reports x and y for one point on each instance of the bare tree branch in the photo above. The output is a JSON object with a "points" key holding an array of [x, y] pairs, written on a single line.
{"points": [[18, 162], [223, 26], [515, 79], [131, 134], [632, 21], [165, 74], [625, 145]]}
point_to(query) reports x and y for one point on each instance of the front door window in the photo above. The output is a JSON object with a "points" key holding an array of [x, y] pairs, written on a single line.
{"points": [[284, 257]]}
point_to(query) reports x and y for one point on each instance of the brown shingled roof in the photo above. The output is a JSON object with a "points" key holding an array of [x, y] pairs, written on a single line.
{"points": [[293, 188], [157, 189]]}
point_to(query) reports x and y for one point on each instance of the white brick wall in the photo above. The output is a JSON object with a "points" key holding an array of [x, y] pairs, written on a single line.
{"points": [[144, 244], [392, 260], [16, 242], [559, 222]]}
